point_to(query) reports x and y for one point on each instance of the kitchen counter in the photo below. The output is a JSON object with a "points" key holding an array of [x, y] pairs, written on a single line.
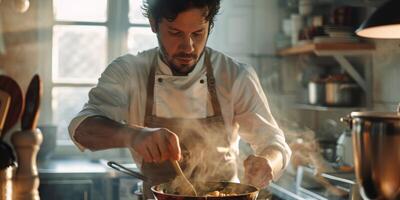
{"points": [[79, 168], [285, 188], [71, 169]]}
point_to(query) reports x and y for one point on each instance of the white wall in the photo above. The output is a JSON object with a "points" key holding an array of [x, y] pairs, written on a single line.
{"points": [[386, 75], [246, 27]]}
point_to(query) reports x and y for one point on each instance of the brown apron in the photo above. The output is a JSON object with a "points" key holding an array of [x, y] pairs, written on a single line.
{"points": [[205, 146]]}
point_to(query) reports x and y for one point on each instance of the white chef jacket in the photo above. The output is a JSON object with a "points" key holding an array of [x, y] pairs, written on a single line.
{"points": [[121, 95]]}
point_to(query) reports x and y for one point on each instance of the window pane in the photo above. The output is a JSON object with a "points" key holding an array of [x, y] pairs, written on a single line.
{"points": [[141, 38], [67, 102], [80, 10], [136, 12], [79, 53]]}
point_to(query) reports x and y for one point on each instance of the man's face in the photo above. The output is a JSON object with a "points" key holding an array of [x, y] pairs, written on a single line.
{"points": [[183, 40]]}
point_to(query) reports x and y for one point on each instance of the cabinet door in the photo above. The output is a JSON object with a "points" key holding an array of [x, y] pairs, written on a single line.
{"points": [[65, 190]]}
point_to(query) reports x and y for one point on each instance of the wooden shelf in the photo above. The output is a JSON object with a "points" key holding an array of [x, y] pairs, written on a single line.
{"points": [[340, 52], [329, 49]]}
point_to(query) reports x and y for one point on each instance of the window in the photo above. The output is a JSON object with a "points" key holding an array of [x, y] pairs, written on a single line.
{"points": [[86, 36]]}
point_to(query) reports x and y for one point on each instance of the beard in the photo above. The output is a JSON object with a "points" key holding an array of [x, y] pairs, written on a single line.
{"points": [[179, 69]]}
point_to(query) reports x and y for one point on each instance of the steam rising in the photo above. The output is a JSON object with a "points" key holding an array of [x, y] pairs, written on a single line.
{"points": [[207, 155], [212, 159]]}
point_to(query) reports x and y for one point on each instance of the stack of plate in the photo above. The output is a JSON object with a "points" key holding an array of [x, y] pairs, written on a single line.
{"points": [[337, 34]]}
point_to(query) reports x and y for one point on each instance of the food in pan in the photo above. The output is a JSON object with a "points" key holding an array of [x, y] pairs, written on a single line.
{"points": [[214, 190], [217, 193]]}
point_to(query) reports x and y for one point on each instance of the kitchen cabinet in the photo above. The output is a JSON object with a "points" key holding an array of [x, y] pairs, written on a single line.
{"points": [[340, 52], [66, 189], [77, 179], [67, 179]]}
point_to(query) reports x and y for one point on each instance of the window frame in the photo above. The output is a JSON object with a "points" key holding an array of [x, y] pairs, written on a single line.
{"points": [[117, 25]]}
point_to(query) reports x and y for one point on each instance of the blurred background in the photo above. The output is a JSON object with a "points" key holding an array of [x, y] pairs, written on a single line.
{"points": [[311, 65]]}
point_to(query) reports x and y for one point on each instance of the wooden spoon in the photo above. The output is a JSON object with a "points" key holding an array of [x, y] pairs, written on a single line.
{"points": [[5, 100], [30, 114], [187, 187], [12, 88]]}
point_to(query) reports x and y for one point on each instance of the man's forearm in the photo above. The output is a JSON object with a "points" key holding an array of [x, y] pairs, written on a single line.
{"points": [[275, 157], [99, 133]]}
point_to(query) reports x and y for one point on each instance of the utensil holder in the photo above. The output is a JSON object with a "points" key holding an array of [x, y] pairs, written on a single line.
{"points": [[26, 179]]}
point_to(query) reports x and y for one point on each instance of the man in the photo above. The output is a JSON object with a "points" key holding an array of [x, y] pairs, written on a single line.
{"points": [[185, 102]]}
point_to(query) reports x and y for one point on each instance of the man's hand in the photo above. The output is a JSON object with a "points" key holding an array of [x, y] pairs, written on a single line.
{"points": [[157, 145], [258, 171]]}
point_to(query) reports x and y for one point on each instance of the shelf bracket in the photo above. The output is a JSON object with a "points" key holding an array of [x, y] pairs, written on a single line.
{"points": [[352, 72]]}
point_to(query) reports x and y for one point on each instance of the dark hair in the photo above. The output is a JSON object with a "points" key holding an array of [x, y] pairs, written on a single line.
{"points": [[169, 9]]}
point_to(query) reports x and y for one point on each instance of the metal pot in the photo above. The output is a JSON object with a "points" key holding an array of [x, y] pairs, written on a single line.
{"points": [[376, 148], [333, 93], [163, 191], [316, 93], [341, 94]]}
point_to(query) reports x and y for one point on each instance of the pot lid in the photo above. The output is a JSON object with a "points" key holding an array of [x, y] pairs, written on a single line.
{"points": [[374, 114]]}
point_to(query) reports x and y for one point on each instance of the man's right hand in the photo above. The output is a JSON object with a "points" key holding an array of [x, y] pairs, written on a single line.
{"points": [[157, 145]]}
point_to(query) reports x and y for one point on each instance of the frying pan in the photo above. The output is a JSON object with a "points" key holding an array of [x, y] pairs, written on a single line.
{"points": [[163, 191]]}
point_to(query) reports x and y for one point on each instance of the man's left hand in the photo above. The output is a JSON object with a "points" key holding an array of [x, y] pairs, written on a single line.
{"points": [[258, 171]]}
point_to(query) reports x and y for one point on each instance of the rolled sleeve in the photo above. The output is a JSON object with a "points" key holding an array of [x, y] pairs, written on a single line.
{"points": [[109, 98], [75, 122], [256, 123]]}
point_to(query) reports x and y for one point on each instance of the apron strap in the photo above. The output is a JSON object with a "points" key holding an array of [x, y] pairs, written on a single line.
{"points": [[210, 86], [147, 193], [150, 92]]}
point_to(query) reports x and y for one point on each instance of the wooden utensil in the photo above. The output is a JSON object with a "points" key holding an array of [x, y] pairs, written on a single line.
{"points": [[5, 99], [30, 114], [8, 85], [186, 187]]}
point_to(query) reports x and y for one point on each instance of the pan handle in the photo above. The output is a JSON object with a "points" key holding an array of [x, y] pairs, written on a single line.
{"points": [[127, 171]]}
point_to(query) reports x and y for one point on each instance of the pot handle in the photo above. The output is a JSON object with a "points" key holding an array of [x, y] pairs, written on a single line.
{"points": [[127, 171], [346, 120]]}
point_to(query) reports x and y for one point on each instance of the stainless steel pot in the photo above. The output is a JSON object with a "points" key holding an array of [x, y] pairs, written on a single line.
{"points": [[376, 148], [341, 94], [333, 93], [316, 93]]}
